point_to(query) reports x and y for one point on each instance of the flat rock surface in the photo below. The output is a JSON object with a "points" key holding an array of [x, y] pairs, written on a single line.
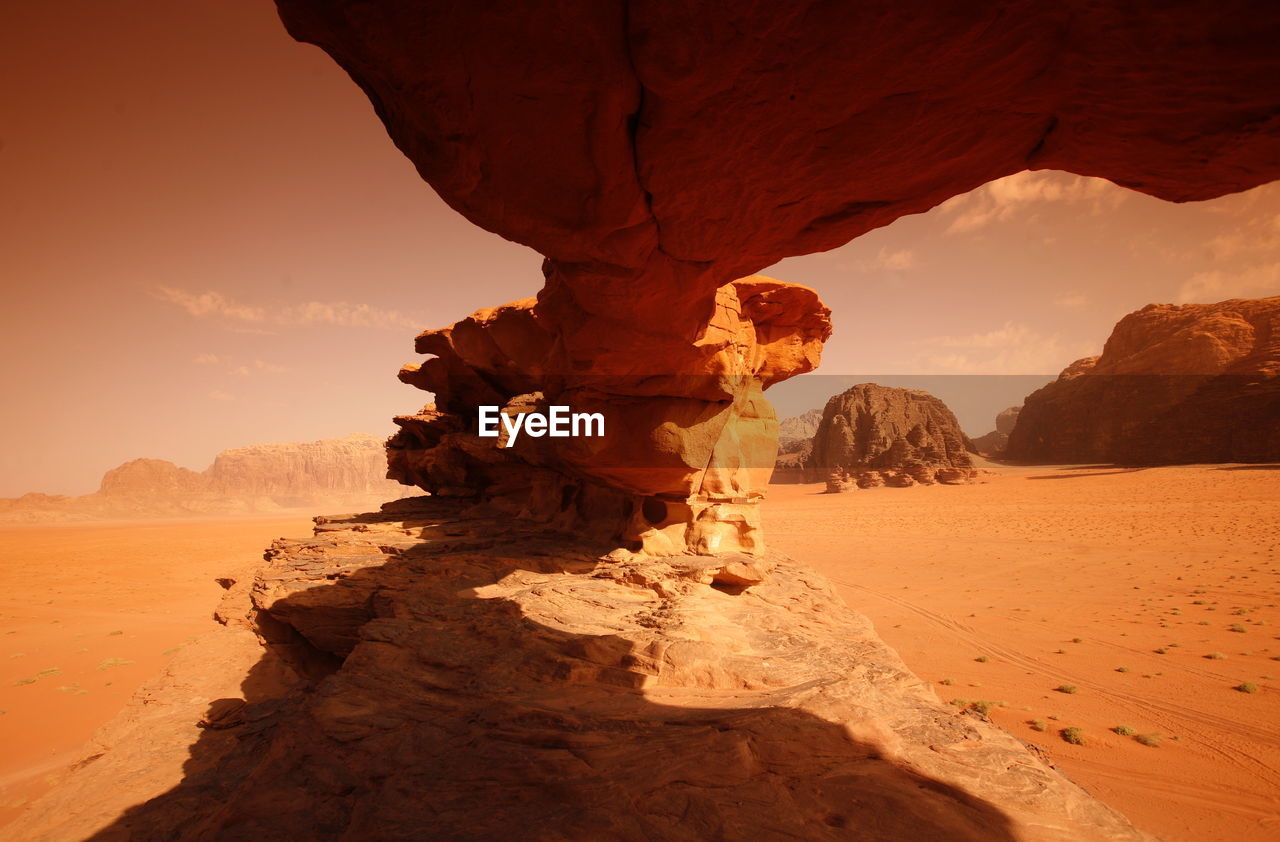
{"points": [[430, 676]]}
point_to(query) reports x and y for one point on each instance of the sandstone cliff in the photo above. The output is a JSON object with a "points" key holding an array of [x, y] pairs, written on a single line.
{"points": [[994, 442], [430, 675], [346, 472], [873, 435], [1174, 383]]}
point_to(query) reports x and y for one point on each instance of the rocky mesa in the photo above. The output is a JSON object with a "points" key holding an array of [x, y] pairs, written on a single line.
{"points": [[346, 472], [1174, 384]]}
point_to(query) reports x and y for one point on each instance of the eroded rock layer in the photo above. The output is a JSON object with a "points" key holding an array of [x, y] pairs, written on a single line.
{"points": [[685, 453], [873, 435], [1174, 383], [432, 676]]}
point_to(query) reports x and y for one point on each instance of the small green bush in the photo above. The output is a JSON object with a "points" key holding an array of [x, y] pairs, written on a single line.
{"points": [[1073, 735], [1124, 730]]}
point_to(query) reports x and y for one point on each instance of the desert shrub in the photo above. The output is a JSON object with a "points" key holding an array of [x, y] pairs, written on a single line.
{"points": [[1039, 725], [1246, 687], [947, 682], [1237, 628], [1152, 740], [1216, 656], [1161, 651], [982, 659], [1077, 640], [1122, 669], [1073, 735], [1067, 688], [1124, 730]]}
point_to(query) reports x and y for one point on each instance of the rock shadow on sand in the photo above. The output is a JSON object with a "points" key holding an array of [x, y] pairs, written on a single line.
{"points": [[432, 707]]}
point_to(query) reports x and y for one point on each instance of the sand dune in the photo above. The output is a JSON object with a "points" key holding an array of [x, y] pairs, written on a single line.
{"points": [[1067, 576]]}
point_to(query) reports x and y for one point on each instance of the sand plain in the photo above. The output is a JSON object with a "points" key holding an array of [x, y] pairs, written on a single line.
{"points": [[1152, 592], [88, 612], [1117, 582]]}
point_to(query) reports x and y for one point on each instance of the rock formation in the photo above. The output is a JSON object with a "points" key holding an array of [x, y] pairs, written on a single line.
{"points": [[993, 443], [347, 472], [795, 435], [1174, 383], [654, 152], [684, 458], [873, 435], [430, 675]]}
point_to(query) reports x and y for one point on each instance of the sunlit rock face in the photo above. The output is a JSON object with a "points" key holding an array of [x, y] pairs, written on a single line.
{"points": [[684, 457], [1175, 383], [653, 152]]}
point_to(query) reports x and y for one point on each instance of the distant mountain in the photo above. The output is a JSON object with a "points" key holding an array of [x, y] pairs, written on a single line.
{"points": [[338, 473], [796, 434]]}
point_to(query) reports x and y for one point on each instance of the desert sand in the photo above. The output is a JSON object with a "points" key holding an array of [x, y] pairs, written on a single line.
{"points": [[1125, 584], [87, 613]]}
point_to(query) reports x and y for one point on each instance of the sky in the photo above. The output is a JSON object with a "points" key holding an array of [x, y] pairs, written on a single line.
{"points": [[207, 240]]}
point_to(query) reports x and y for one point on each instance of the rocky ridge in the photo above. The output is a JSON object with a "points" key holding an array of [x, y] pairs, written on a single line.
{"points": [[1174, 383], [429, 674], [347, 472]]}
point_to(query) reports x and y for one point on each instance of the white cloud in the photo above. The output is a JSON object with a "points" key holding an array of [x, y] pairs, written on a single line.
{"points": [[209, 304], [1001, 199], [340, 313], [207, 359], [258, 366], [1218, 285], [1009, 349]]}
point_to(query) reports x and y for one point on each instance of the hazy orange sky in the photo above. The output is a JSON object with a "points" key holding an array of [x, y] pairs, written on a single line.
{"points": [[208, 241]]}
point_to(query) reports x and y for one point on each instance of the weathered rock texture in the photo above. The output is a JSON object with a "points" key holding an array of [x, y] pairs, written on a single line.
{"points": [[656, 151], [1174, 383], [994, 442], [874, 435], [685, 454], [346, 472], [428, 676], [795, 435]]}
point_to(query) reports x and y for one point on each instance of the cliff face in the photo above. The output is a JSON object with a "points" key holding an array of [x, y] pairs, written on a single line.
{"points": [[331, 472], [1174, 383], [994, 442], [796, 434], [429, 674], [873, 435], [683, 455]]}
